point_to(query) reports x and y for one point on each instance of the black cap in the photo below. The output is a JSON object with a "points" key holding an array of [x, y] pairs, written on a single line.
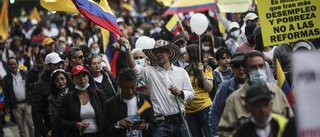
{"points": [[237, 57], [156, 35], [250, 30], [179, 37], [257, 92]]}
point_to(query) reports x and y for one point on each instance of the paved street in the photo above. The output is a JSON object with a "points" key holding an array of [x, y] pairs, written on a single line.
{"points": [[11, 131]]}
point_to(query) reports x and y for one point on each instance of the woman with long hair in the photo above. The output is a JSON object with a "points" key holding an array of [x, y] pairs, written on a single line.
{"points": [[104, 80], [61, 84], [80, 112], [201, 79]]}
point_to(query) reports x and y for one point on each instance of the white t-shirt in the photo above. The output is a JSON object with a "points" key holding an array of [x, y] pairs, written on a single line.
{"points": [[98, 79], [2, 72], [264, 132], [270, 53], [88, 115], [132, 108]]}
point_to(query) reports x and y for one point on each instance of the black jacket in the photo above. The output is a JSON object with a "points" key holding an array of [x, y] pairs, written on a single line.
{"points": [[69, 112], [40, 105], [10, 98], [248, 130], [108, 88], [219, 42], [32, 77], [116, 110]]}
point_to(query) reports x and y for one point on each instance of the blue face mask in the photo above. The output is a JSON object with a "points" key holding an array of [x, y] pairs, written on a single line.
{"points": [[182, 50], [255, 122], [140, 62], [82, 89], [95, 52], [258, 76]]}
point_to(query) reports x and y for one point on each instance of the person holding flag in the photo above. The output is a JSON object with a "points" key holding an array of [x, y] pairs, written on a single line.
{"points": [[121, 109]]}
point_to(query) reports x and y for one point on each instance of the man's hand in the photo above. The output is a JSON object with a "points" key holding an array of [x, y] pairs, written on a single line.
{"points": [[125, 43], [82, 126], [141, 126], [175, 91], [125, 123], [49, 134]]}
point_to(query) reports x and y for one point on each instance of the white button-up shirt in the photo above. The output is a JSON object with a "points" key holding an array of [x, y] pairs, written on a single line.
{"points": [[159, 80]]}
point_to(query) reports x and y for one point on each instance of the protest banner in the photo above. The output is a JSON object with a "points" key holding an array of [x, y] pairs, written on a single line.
{"points": [[306, 75], [285, 21], [234, 6]]}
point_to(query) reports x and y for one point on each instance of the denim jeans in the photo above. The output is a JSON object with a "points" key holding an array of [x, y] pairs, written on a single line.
{"points": [[198, 123], [171, 130]]}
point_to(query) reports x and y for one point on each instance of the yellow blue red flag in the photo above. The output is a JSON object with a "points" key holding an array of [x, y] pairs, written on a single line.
{"points": [[59, 5], [101, 16], [174, 25], [283, 84]]}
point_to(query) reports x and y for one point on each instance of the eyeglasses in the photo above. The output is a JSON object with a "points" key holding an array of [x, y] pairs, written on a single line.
{"points": [[57, 70], [80, 57], [180, 42], [141, 57], [237, 65]]}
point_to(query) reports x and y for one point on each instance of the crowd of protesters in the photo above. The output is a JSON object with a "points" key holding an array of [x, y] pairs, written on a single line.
{"points": [[57, 79]]}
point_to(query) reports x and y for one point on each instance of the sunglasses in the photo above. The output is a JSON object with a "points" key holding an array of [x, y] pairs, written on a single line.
{"points": [[237, 65], [80, 57], [141, 57]]}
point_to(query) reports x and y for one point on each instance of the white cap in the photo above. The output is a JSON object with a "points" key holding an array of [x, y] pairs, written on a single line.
{"points": [[120, 19], [53, 58], [250, 16], [234, 25]]}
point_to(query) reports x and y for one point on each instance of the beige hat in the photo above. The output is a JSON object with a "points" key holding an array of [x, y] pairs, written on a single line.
{"points": [[250, 16], [234, 25], [162, 44]]}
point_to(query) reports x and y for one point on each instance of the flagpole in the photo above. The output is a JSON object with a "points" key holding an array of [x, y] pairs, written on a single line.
{"points": [[199, 49]]}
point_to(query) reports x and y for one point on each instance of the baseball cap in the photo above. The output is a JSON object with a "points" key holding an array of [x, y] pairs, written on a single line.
{"points": [[53, 58], [249, 30], [237, 57], [257, 92], [234, 25], [250, 16], [77, 69], [47, 41], [303, 45], [179, 37], [120, 19]]}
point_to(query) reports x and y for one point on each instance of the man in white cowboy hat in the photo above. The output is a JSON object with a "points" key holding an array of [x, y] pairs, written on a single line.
{"points": [[169, 86]]}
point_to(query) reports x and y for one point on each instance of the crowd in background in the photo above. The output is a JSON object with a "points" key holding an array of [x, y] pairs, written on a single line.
{"points": [[57, 78]]}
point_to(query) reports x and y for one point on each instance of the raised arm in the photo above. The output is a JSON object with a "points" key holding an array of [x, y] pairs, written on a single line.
{"points": [[130, 59]]}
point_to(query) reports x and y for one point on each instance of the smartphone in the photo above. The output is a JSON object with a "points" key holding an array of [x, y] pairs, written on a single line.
{"points": [[138, 122]]}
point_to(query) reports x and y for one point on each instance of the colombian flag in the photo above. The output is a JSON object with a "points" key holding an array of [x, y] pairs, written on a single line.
{"points": [[101, 16], [174, 25], [283, 83], [108, 39], [59, 5]]}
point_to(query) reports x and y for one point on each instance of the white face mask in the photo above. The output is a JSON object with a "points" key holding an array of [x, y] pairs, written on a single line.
{"points": [[140, 62], [61, 48], [258, 76], [95, 52], [82, 89], [205, 48], [235, 34], [182, 50]]}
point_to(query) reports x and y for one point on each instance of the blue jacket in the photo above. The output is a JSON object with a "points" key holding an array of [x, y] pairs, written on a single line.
{"points": [[225, 89]]}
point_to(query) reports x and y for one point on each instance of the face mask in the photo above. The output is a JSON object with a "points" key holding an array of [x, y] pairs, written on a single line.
{"points": [[95, 52], [235, 34], [258, 76], [123, 49], [61, 48], [82, 89], [140, 62], [182, 50], [255, 122], [205, 48]]}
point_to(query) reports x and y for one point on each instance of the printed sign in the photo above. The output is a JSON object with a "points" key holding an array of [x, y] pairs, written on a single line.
{"points": [[306, 75], [285, 21], [234, 6]]}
